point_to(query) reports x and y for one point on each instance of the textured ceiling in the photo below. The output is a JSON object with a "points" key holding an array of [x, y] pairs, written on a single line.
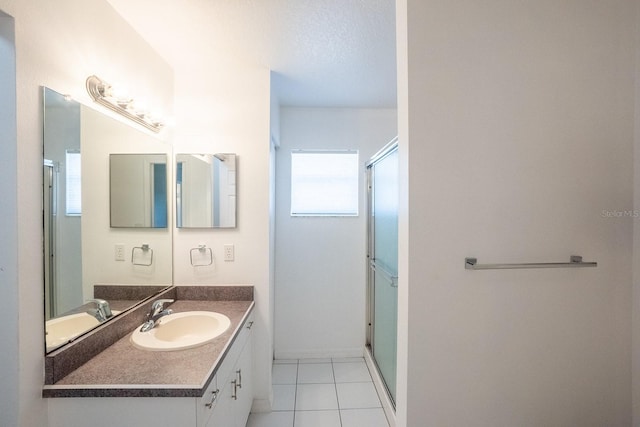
{"points": [[324, 52]]}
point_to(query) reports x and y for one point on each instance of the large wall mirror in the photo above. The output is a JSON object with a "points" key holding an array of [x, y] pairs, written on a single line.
{"points": [[87, 262], [206, 190]]}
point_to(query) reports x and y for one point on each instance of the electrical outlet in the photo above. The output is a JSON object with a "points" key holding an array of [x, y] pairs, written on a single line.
{"points": [[229, 253], [119, 252]]}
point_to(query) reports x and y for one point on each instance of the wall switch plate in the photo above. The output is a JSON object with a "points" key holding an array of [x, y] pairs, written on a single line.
{"points": [[229, 253], [119, 252]]}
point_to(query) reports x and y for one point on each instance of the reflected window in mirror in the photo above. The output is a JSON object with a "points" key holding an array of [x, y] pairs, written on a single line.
{"points": [[78, 258], [206, 190], [73, 200]]}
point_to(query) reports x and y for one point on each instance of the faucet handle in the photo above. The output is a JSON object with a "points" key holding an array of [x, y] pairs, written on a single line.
{"points": [[158, 305], [103, 306]]}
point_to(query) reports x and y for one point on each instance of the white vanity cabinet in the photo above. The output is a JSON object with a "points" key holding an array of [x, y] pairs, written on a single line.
{"points": [[234, 387], [235, 394], [225, 403]]}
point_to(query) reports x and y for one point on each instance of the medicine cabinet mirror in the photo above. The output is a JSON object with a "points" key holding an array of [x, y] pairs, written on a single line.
{"points": [[206, 190], [138, 190], [85, 258]]}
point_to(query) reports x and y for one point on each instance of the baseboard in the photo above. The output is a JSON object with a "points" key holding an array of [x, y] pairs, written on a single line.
{"points": [[262, 405], [387, 406], [320, 354]]}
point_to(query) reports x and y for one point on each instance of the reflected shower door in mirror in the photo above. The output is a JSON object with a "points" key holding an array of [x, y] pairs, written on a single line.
{"points": [[138, 190], [206, 190], [79, 246]]}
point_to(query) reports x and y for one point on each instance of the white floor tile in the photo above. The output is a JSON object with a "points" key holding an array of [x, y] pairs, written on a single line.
{"points": [[357, 396], [325, 360], [351, 372], [315, 373], [284, 397], [311, 397], [284, 373], [272, 419], [285, 361], [363, 418], [317, 419]]}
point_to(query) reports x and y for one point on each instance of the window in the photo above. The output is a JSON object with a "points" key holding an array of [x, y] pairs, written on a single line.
{"points": [[324, 183], [73, 205]]}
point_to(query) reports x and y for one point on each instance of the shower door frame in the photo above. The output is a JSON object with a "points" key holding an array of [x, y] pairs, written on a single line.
{"points": [[387, 150], [50, 213]]}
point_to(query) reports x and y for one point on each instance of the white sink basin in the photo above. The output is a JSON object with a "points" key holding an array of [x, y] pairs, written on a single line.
{"points": [[61, 330], [180, 331]]}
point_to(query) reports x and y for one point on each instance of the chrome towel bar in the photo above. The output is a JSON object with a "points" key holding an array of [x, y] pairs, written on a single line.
{"points": [[142, 255], [575, 262], [204, 256]]}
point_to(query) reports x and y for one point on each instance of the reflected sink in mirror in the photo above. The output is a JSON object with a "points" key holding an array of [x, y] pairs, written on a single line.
{"points": [[180, 331], [61, 330], [78, 258]]}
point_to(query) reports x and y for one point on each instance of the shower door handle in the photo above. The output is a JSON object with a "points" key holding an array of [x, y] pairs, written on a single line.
{"points": [[393, 280]]}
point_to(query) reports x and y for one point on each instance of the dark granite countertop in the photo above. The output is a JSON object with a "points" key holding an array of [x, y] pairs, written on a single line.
{"points": [[122, 370]]}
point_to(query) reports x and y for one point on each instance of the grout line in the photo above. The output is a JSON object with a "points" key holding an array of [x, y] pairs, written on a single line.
{"points": [[295, 393], [335, 386]]}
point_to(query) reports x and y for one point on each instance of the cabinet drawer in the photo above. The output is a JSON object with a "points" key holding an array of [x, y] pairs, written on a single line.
{"points": [[226, 367]]}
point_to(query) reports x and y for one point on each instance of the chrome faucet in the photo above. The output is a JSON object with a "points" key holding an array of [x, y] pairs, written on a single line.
{"points": [[102, 312], [157, 311]]}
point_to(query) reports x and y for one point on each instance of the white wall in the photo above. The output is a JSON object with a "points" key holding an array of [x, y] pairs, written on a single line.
{"points": [[274, 143], [320, 283], [58, 45], [516, 132], [227, 110], [102, 136], [9, 356]]}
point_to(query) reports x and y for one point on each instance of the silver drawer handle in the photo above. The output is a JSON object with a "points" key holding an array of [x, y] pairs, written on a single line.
{"points": [[234, 395], [213, 399], [239, 373]]}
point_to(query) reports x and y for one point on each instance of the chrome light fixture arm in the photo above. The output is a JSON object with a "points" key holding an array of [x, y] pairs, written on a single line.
{"points": [[101, 92]]}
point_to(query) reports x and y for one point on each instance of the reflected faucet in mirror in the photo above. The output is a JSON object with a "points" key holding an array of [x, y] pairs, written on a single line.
{"points": [[102, 312], [79, 245]]}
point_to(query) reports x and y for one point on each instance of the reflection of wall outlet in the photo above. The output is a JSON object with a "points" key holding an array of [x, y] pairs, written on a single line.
{"points": [[229, 254], [119, 252]]}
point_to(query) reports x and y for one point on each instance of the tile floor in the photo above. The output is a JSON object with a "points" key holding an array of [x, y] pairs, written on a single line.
{"points": [[322, 393]]}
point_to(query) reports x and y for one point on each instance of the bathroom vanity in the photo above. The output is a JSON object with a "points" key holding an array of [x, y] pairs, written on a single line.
{"points": [[208, 385]]}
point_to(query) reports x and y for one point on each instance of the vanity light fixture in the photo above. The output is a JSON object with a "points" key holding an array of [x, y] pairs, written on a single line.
{"points": [[104, 94]]}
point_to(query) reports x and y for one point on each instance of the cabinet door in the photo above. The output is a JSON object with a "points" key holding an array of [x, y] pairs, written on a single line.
{"points": [[207, 403], [236, 396], [223, 413], [244, 372]]}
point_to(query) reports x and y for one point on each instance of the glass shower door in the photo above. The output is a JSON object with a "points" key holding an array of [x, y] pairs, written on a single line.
{"points": [[383, 263]]}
